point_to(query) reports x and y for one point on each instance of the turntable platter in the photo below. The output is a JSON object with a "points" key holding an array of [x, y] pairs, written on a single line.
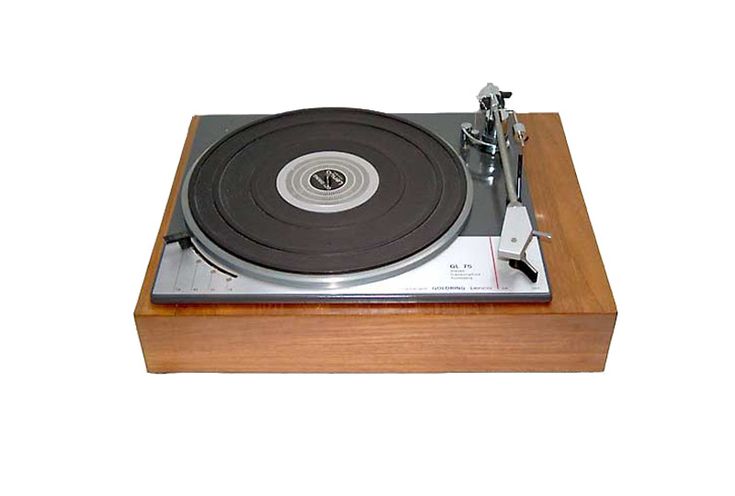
{"points": [[326, 192]]}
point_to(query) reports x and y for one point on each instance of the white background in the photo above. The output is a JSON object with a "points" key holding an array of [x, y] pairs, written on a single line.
{"points": [[95, 104]]}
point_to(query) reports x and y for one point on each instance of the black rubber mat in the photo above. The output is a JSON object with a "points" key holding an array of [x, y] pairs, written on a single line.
{"points": [[234, 201]]}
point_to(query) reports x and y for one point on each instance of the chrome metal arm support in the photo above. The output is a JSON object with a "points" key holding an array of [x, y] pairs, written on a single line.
{"points": [[469, 134]]}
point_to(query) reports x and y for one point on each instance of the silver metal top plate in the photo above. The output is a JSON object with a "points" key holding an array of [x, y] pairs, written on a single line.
{"points": [[468, 269]]}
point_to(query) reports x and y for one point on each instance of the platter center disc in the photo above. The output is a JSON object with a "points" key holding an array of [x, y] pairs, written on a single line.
{"points": [[327, 181]]}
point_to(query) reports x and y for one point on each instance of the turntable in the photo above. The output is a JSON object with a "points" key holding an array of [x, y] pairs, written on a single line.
{"points": [[339, 239]]}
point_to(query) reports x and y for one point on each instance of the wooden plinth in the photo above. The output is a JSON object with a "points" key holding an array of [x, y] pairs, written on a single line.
{"points": [[571, 333]]}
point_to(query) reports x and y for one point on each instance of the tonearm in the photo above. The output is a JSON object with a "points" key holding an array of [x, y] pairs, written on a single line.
{"points": [[498, 132]]}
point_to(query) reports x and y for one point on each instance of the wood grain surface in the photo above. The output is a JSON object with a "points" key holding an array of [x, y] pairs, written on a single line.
{"points": [[570, 333]]}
